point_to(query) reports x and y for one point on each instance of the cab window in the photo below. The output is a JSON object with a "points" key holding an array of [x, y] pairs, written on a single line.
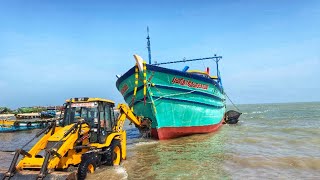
{"points": [[102, 117], [109, 123], [73, 114]]}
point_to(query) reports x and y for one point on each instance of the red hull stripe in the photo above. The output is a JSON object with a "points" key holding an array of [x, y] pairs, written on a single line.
{"points": [[174, 132]]}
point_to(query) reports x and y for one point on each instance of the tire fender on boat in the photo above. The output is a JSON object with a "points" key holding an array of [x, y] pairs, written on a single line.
{"points": [[16, 123], [29, 124]]}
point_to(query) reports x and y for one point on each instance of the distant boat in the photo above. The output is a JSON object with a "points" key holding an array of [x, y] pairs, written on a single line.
{"points": [[49, 113], [27, 116], [19, 125], [15, 128], [179, 102]]}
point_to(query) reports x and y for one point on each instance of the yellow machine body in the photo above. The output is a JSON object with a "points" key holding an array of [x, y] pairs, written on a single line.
{"points": [[65, 146]]}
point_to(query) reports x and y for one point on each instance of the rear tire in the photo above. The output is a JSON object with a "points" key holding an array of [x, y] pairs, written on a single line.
{"points": [[88, 165], [115, 155]]}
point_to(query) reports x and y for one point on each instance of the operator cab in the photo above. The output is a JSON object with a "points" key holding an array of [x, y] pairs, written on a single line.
{"points": [[97, 112]]}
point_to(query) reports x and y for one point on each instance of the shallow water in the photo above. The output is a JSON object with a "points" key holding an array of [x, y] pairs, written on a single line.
{"points": [[271, 141]]}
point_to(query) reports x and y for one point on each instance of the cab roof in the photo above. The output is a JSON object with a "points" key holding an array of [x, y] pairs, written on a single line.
{"points": [[87, 99]]}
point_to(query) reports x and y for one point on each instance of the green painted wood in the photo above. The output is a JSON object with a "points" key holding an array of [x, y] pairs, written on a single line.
{"points": [[182, 106]]}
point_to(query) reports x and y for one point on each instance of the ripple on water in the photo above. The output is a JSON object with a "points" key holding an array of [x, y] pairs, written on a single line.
{"points": [[269, 166]]}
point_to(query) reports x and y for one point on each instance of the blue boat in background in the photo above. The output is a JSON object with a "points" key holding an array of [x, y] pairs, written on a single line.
{"points": [[16, 128], [18, 125], [48, 114]]}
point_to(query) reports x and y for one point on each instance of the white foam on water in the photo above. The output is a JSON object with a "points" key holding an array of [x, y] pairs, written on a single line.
{"points": [[256, 112], [259, 112], [142, 143], [146, 143], [122, 171]]}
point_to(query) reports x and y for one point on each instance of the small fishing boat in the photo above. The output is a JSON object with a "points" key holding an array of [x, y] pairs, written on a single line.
{"points": [[48, 114], [20, 125], [28, 116], [51, 112], [13, 128]]}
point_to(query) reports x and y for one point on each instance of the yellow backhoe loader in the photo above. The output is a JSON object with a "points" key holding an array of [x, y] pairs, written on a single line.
{"points": [[88, 136]]}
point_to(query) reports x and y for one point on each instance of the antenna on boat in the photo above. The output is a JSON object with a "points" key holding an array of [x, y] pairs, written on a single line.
{"points": [[149, 47], [218, 72]]}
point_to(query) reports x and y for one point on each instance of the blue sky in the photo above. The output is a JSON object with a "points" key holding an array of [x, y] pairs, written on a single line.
{"points": [[54, 50]]}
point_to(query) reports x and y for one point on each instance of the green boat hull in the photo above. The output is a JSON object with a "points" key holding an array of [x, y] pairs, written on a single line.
{"points": [[178, 103]]}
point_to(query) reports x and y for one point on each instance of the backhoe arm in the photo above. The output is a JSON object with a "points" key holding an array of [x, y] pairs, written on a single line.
{"points": [[126, 113]]}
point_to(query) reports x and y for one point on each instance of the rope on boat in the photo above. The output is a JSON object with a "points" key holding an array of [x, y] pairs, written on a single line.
{"points": [[135, 87], [232, 102], [177, 94], [187, 60], [151, 99], [146, 87], [144, 82]]}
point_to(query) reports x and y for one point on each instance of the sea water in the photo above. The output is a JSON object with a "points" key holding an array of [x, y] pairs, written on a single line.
{"points": [[271, 141]]}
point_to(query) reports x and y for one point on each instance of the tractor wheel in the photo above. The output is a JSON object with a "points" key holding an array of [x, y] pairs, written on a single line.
{"points": [[114, 157], [88, 165]]}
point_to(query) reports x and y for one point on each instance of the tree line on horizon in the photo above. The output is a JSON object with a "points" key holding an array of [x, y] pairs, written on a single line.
{"points": [[6, 110]]}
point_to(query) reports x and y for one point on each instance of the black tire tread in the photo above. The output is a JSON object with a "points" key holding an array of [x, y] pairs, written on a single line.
{"points": [[110, 157], [86, 159]]}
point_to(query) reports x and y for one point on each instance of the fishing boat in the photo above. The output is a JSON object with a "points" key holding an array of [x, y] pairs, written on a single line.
{"points": [[28, 116], [19, 125], [51, 112], [178, 102], [14, 128], [48, 114]]}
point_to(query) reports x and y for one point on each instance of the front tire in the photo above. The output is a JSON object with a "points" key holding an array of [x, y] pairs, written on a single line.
{"points": [[115, 155], [88, 165]]}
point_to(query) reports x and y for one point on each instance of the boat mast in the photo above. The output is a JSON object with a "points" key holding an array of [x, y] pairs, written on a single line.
{"points": [[218, 72], [149, 47]]}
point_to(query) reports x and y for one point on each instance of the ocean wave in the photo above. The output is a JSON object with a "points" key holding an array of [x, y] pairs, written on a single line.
{"points": [[256, 112]]}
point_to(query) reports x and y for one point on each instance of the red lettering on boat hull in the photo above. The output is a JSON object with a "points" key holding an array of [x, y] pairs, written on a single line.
{"points": [[124, 89], [184, 82]]}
